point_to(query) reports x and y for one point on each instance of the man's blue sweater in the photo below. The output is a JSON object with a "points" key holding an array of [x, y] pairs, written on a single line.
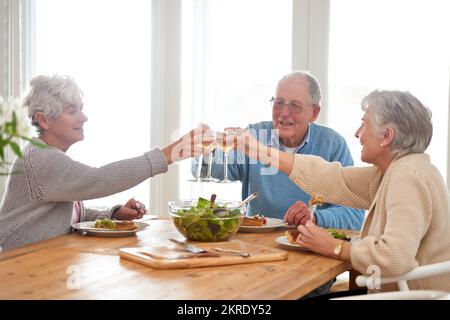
{"points": [[276, 191]]}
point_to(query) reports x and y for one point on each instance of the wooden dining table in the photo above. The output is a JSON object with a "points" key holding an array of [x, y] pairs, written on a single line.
{"points": [[77, 266]]}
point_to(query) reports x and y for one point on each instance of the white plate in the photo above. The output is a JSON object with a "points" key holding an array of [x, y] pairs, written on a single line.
{"points": [[283, 240], [87, 227], [270, 225]]}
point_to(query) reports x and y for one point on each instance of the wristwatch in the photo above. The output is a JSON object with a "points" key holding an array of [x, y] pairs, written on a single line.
{"points": [[338, 249], [114, 209]]}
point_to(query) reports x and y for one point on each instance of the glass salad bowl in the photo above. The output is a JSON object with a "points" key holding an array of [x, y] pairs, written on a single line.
{"points": [[196, 220]]}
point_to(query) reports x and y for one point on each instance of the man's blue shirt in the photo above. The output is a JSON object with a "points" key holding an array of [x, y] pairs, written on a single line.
{"points": [[276, 191]]}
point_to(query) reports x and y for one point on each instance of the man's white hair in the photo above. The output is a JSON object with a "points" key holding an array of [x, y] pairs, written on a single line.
{"points": [[315, 93]]}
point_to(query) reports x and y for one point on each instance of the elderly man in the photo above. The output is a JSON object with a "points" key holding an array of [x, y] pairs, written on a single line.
{"points": [[296, 105]]}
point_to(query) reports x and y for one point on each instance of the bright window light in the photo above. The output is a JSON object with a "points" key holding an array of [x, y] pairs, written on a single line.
{"points": [[105, 46], [233, 54], [401, 44]]}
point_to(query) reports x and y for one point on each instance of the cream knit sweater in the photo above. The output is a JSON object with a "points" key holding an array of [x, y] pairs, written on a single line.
{"points": [[408, 221], [38, 201]]}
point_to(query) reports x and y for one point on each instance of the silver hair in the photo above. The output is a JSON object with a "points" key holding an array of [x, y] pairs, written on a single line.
{"points": [[315, 93], [403, 112], [50, 95]]}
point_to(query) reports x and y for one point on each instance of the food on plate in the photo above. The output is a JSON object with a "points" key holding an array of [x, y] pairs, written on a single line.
{"points": [[339, 235], [255, 220], [292, 235], [125, 225], [316, 200], [206, 220], [115, 225], [104, 224]]}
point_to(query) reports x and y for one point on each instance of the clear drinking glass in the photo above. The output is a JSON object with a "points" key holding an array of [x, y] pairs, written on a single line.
{"points": [[209, 177], [208, 146], [199, 170], [225, 141]]}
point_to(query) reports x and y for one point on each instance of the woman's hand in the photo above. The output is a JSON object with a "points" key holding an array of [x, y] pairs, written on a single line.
{"points": [[189, 145], [298, 214], [317, 239], [131, 210], [243, 140], [248, 144]]}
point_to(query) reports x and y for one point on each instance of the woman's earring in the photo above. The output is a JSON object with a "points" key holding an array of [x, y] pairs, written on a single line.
{"points": [[381, 145]]}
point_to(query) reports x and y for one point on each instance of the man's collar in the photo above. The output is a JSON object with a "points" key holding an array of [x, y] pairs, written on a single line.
{"points": [[275, 142]]}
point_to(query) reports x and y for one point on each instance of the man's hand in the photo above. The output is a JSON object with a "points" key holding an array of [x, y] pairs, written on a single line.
{"points": [[298, 214]]}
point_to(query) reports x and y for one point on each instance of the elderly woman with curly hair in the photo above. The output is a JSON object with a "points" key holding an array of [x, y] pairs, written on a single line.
{"points": [[408, 221], [45, 197]]}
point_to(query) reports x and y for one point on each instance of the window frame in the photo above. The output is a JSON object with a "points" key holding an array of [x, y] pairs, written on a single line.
{"points": [[310, 43]]}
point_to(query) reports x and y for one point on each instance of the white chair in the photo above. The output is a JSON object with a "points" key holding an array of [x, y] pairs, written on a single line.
{"points": [[404, 293]]}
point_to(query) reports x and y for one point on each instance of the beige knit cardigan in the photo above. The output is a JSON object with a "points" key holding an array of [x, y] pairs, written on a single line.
{"points": [[408, 221]]}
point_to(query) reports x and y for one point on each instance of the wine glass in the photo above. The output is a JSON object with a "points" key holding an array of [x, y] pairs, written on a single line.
{"points": [[209, 177], [208, 145], [199, 170], [225, 141]]}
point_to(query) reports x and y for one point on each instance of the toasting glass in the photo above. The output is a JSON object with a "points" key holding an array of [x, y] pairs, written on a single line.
{"points": [[225, 141], [208, 145]]}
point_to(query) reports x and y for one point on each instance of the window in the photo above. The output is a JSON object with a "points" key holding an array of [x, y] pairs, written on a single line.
{"points": [[394, 45], [105, 46], [233, 54]]}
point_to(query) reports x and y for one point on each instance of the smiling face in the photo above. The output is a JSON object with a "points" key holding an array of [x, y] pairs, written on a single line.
{"points": [[373, 150], [292, 126], [66, 129]]}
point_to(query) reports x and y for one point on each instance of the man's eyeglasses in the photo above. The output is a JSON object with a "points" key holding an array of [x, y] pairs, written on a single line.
{"points": [[293, 106]]}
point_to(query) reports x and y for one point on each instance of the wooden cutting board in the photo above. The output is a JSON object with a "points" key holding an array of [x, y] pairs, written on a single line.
{"points": [[170, 256]]}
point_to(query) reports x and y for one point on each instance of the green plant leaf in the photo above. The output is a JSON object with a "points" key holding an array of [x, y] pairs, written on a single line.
{"points": [[14, 122], [14, 146]]}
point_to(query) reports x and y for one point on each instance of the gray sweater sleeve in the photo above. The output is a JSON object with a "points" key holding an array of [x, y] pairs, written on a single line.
{"points": [[54, 176], [92, 214]]}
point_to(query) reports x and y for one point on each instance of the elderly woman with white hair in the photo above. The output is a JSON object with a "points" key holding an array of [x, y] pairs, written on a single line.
{"points": [[408, 221], [45, 197]]}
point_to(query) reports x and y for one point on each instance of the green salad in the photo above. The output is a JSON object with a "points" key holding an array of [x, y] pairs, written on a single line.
{"points": [[105, 224], [204, 222], [339, 235]]}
